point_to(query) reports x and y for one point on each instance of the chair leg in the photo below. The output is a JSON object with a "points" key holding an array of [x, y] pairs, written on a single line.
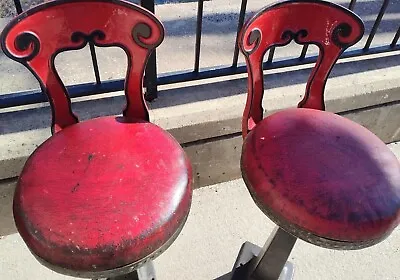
{"points": [[145, 272], [267, 263]]}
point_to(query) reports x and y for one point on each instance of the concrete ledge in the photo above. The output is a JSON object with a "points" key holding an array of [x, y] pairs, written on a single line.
{"points": [[205, 117]]}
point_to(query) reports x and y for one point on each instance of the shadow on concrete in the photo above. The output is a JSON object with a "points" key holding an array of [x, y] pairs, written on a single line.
{"points": [[217, 23], [224, 21], [7, 225], [227, 276], [40, 117]]}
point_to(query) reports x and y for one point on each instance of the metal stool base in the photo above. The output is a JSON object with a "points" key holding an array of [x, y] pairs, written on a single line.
{"points": [[249, 252], [145, 272], [267, 263]]}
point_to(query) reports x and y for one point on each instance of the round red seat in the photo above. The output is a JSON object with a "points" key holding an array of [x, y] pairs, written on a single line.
{"points": [[323, 178], [103, 194]]}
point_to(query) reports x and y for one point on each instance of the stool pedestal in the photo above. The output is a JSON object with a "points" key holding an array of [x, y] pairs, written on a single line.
{"points": [[267, 263], [145, 272]]}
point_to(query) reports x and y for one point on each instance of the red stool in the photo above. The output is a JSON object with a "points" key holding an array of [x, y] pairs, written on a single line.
{"points": [[320, 177], [103, 197]]}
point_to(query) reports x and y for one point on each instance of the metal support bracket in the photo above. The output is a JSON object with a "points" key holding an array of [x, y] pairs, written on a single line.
{"points": [[267, 263], [145, 272]]}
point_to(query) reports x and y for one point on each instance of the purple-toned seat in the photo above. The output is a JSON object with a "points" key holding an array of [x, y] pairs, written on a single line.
{"points": [[318, 176]]}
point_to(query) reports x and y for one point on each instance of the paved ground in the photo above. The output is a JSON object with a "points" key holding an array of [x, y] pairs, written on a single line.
{"points": [[222, 217]]}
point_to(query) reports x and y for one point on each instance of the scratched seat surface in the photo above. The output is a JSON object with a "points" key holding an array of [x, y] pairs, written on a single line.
{"points": [[319, 176], [102, 194], [323, 178]]}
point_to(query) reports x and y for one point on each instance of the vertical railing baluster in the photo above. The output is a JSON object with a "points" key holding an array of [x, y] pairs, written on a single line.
{"points": [[352, 4], [271, 55], [396, 38], [151, 69], [303, 52], [239, 28], [376, 24], [18, 6], [95, 64], [199, 25]]}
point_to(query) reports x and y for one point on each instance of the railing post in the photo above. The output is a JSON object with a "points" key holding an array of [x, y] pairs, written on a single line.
{"points": [[396, 38], [95, 63], [18, 7], [151, 69], [239, 28], [376, 24], [199, 25]]}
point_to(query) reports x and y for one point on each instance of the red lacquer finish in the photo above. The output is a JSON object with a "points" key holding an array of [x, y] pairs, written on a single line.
{"points": [[102, 194], [319, 176], [327, 25], [324, 174], [36, 36], [107, 194]]}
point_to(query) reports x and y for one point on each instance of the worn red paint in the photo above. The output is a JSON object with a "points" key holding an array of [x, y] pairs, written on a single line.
{"points": [[36, 36], [323, 173], [102, 194], [306, 168], [299, 21], [106, 192]]}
